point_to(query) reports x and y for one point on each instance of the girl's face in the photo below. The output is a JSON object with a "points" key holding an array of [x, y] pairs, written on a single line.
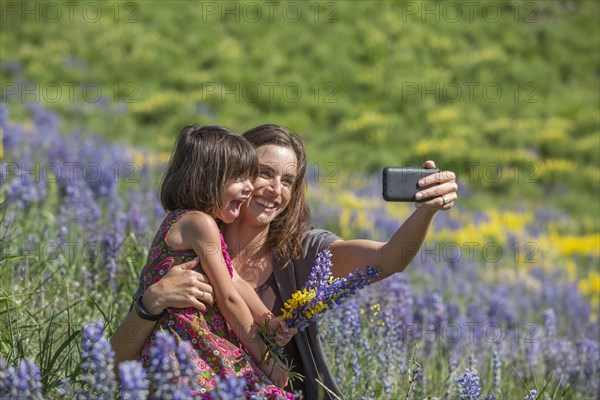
{"points": [[235, 194], [277, 169]]}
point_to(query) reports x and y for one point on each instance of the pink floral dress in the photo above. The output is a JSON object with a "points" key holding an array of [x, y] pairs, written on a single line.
{"points": [[217, 350]]}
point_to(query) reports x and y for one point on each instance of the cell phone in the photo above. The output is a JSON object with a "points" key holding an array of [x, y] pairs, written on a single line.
{"points": [[402, 183]]}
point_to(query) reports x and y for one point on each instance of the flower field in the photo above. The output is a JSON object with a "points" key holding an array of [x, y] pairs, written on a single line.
{"points": [[499, 302]]}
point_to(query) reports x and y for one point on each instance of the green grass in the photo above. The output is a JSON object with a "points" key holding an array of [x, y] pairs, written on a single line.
{"points": [[379, 81]]}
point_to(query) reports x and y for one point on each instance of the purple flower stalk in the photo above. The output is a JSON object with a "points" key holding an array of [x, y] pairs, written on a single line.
{"points": [[21, 382], [469, 386], [26, 188], [3, 373], [187, 368], [497, 368], [97, 364], [550, 324], [164, 382], [231, 388], [532, 395], [134, 381], [328, 291]]}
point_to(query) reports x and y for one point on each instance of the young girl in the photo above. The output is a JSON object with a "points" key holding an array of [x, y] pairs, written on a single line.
{"points": [[207, 180]]}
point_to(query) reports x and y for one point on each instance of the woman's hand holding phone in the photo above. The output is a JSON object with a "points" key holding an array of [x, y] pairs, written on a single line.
{"points": [[428, 186]]}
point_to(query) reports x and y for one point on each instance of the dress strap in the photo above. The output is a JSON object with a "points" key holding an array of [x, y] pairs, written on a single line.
{"points": [[226, 255], [177, 214], [172, 218]]}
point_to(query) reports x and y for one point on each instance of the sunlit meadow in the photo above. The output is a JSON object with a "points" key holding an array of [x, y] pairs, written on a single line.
{"points": [[499, 303]]}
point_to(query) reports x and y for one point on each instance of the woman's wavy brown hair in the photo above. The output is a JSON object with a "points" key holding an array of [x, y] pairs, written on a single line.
{"points": [[204, 159], [287, 229]]}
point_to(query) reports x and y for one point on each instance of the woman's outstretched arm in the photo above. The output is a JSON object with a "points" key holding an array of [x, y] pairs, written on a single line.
{"points": [[180, 287], [394, 255]]}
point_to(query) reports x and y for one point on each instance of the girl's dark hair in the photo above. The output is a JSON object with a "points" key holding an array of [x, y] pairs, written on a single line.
{"points": [[204, 159], [287, 229]]}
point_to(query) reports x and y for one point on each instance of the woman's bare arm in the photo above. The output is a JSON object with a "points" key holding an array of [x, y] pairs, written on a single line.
{"points": [[180, 287]]}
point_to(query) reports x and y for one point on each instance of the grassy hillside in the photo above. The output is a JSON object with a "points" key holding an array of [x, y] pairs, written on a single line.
{"points": [[503, 92]]}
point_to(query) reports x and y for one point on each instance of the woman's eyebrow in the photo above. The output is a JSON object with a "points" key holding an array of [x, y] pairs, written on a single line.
{"points": [[260, 165]]}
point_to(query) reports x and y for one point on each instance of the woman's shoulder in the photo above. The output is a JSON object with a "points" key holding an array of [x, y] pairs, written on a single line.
{"points": [[316, 240], [313, 242]]}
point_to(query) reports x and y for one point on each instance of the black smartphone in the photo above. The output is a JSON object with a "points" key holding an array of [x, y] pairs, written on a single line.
{"points": [[402, 183]]}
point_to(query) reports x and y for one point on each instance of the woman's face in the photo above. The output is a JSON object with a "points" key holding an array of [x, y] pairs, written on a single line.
{"points": [[277, 170]]}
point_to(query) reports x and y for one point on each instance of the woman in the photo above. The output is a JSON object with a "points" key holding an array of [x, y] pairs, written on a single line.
{"points": [[273, 228]]}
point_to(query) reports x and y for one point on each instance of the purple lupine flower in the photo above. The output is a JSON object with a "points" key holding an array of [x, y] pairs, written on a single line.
{"points": [[550, 324], [159, 211], [3, 116], [102, 182], [231, 388], [446, 222], [473, 362], [490, 397], [391, 350], [480, 217], [477, 318], [11, 67], [401, 299], [134, 381], [589, 351], [187, 367], [75, 62], [12, 134], [452, 365], [3, 378], [435, 318], [79, 203], [561, 357], [44, 120], [469, 386], [589, 364], [65, 389], [497, 369], [97, 364], [384, 226], [453, 361], [532, 351], [111, 245], [320, 272], [28, 185], [344, 339], [328, 291], [21, 382], [164, 382], [500, 310], [25, 190], [136, 219], [532, 395]]}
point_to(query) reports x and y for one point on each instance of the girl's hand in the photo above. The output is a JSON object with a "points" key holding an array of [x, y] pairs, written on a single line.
{"points": [[181, 287], [275, 372], [279, 328], [439, 197]]}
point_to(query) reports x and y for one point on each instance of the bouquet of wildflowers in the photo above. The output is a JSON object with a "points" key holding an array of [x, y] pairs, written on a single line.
{"points": [[323, 292]]}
